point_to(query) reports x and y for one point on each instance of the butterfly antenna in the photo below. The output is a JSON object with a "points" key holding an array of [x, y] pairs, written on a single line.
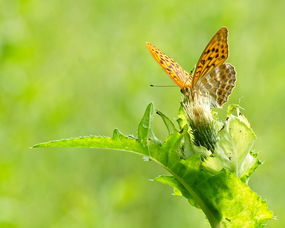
{"points": [[162, 85]]}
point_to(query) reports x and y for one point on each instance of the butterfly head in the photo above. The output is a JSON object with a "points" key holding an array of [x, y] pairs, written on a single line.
{"points": [[186, 91]]}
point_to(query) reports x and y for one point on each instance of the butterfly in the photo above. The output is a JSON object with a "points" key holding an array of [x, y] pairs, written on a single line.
{"points": [[212, 77]]}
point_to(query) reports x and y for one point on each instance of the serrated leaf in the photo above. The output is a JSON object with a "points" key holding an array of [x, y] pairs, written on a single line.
{"points": [[118, 142], [250, 164], [223, 197], [236, 142], [240, 206]]}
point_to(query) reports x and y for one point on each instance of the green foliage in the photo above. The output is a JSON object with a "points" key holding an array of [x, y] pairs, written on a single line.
{"points": [[214, 183]]}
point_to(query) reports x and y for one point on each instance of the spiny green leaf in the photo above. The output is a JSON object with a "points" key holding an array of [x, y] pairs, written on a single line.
{"points": [[118, 142], [250, 164], [236, 142], [223, 196], [240, 206]]}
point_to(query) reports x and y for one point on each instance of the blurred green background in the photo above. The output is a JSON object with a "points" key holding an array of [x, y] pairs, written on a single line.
{"points": [[70, 68]]}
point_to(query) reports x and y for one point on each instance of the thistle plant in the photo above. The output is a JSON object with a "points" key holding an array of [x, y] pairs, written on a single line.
{"points": [[213, 181], [209, 160], [198, 111]]}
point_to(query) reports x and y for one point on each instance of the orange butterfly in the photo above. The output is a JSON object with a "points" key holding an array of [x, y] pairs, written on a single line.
{"points": [[211, 76]]}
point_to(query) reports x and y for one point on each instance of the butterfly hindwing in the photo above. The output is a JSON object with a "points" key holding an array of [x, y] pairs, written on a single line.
{"points": [[172, 68], [219, 84], [215, 53]]}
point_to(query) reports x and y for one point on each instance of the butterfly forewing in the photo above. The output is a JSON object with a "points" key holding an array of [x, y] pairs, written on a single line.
{"points": [[214, 55], [219, 84], [173, 69]]}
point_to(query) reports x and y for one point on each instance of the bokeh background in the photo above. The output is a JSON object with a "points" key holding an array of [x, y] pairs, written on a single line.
{"points": [[70, 68]]}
